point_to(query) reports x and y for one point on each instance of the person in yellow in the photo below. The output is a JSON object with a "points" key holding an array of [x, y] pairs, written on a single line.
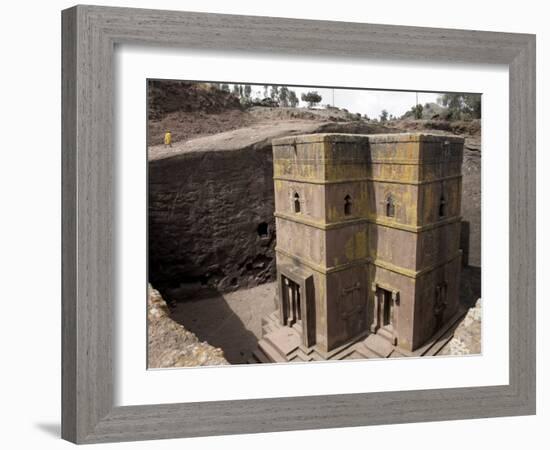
{"points": [[168, 139]]}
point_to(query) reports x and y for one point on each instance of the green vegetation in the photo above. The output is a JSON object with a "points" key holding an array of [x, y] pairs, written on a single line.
{"points": [[292, 99], [462, 106], [273, 95], [417, 111], [312, 98], [449, 107]]}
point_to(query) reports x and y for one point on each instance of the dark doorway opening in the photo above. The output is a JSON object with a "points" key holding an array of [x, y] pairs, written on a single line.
{"points": [[386, 304]]}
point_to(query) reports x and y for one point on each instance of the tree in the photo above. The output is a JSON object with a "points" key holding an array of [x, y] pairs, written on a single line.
{"points": [[274, 94], [417, 111], [283, 96], [312, 98], [462, 106], [384, 116], [224, 87], [292, 99], [247, 91], [473, 101]]}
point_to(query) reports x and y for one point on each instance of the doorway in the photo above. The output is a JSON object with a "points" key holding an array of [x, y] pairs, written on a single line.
{"points": [[291, 301], [386, 303], [385, 308]]}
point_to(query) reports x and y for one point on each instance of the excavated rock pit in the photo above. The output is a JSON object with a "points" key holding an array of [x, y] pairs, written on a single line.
{"points": [[169, 344]]}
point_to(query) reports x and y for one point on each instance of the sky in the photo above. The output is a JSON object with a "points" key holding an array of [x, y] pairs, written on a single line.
{"points": [[369, 102]]}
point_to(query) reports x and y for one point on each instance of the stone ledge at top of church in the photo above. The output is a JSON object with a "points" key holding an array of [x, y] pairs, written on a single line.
{"points": [[320, 138], [414, 137], [333, 138]]}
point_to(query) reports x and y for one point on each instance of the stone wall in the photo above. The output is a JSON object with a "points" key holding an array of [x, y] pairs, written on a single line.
{"points": [[211, 219]]}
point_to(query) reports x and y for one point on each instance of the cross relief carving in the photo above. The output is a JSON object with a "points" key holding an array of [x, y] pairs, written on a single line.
{"points": [[350, 301]]}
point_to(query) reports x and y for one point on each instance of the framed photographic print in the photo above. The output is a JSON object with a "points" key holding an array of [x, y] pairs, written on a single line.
{"points": [[265, 229]]}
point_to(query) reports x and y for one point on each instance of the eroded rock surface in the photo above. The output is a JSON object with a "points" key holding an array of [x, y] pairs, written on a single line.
{"points": [[467, 336], [170, 344]]}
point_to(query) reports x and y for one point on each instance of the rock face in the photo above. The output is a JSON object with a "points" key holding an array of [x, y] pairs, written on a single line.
{"points": [[467, 336], [211, 206], [170, 344], [165, 96], [471, 205]]}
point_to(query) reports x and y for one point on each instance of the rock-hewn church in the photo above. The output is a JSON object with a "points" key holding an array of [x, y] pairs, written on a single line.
{"points": [[368, 246]]}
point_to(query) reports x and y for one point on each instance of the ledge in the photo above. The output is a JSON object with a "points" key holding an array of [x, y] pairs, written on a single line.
{"points": [[370, 138], [377, 221], [409, 273], [358, 180]]}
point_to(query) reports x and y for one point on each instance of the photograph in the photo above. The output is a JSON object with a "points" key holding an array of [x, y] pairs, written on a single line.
{"points": [[275, 225], [295, 223]]}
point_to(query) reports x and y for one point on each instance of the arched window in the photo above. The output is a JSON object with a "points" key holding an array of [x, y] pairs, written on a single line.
{"points": [[442, 206], [347, 205], [296, 202], [390, 206]]}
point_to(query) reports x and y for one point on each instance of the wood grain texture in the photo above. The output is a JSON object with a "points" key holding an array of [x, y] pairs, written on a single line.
{"points": [[89, 36], [68, 225]]}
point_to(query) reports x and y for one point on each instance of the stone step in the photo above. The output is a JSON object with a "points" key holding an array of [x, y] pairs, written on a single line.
{"points": [[317, 357], [272, 355], [386, 334], [364, 352], [299, 355], [266, 329], [266, 322], [378, 345], [274, 317], [285, 340], [343, 354]]}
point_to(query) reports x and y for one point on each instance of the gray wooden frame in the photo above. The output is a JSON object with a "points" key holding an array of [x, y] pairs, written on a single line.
{"points": [[89, 36]]}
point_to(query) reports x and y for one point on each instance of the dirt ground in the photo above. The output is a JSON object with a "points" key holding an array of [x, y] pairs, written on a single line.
{"points": [[231, 321], [187, 125]]}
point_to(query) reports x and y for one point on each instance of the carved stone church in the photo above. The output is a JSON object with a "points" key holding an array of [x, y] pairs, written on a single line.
{"points": [[368, 246]]}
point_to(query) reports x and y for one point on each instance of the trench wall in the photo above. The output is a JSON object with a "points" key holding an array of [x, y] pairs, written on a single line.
{"points": [[211, 219]]}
